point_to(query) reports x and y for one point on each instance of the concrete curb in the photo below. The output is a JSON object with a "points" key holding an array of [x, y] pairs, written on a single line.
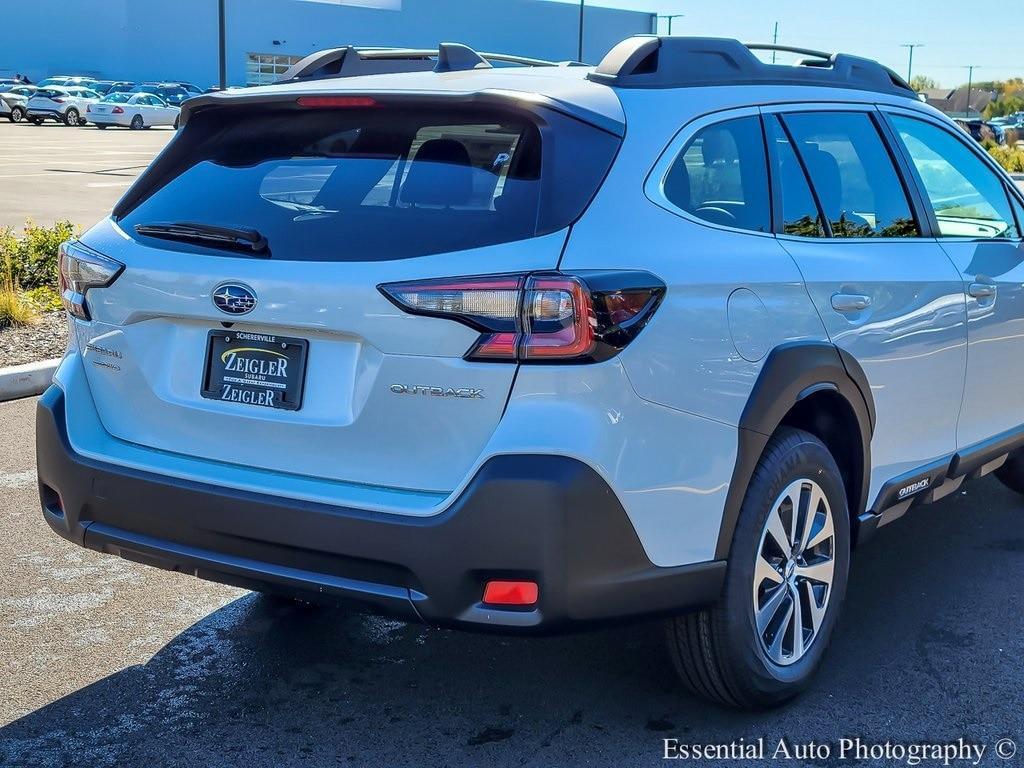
{"points": [[26, 380]]}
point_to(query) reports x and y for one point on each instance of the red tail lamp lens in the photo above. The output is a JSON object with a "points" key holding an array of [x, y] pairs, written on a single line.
{"points": [[516, 593], [559, 319], [544, 317], [118, 110]]}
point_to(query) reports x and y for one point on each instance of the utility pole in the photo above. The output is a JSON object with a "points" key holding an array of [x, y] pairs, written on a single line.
{"points": [[970, 82], [775, 40], [223, 52], [670, 17], [579, 57], [910, 65]]}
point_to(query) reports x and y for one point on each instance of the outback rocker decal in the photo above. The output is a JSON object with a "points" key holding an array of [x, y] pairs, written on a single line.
{"points": [[913, 488]]}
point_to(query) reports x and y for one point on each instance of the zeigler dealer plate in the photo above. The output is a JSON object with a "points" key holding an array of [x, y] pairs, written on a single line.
{"points": [[255, 368]]}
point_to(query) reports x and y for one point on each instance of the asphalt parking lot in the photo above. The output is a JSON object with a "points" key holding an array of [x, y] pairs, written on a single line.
{"points": [[50, 172], [104, 662]]}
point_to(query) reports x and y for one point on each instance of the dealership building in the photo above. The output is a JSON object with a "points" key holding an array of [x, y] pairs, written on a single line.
{"points": [[179, 39]]}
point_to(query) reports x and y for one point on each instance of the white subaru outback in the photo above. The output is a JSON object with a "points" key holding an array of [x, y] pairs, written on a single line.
{"points": [[498, 344]]}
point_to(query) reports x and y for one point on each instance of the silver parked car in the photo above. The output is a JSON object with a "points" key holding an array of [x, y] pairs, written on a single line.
{"points": [[14, 101], [524, 348]]}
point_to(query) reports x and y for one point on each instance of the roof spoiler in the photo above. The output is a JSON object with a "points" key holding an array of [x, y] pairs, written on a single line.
{"points": [[651, 61]]}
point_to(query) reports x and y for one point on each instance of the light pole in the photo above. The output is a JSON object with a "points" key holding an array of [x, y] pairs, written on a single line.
{"points": [[970, 82], [775, 40], [223, 52], [670, 17], [579, 56], [910, 65]]}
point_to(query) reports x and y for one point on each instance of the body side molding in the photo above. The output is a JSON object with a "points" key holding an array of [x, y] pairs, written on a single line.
{"points": [[924, 484]]}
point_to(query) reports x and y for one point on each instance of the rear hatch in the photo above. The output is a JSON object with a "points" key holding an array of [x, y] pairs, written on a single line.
{"points": [[285, 355]]}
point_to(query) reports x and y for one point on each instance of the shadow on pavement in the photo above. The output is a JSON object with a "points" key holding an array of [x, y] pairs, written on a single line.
{"points": [[930, 647]]}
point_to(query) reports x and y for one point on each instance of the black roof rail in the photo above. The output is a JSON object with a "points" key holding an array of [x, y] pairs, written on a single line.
{"points": [[650, 61], [352, 61]]}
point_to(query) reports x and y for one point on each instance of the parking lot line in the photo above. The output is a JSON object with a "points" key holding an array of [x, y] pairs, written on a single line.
{"points": [[54, 173]]}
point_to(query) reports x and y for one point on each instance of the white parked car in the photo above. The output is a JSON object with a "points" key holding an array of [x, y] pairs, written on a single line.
{"points": [[13, 101], [65, 105], [132, 110]]}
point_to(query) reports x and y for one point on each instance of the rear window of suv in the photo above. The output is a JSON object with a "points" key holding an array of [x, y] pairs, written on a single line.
{"points": [[382, 183]]}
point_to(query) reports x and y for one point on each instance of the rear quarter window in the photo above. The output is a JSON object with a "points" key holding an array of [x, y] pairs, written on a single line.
{"points": [[721, 176]]}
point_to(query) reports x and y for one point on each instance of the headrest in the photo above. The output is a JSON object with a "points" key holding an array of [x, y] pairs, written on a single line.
{"points": [[440, 174], [719, 147], [828, 182]]}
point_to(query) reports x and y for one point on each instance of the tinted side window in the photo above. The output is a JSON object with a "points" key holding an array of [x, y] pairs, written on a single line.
{"points": [[798, 212], [856, 183], [968, 198], [721, 176]]}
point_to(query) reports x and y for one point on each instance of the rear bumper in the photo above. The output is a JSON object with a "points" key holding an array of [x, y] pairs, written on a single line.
{"points": [[46, 113], [99, 118], [548, 519]]}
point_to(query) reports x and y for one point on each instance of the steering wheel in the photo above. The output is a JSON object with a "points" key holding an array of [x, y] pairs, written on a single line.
{"points": [[716, 215]]}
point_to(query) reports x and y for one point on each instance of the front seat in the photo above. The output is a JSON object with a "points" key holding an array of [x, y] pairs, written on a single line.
{"points": [[828, 183]]}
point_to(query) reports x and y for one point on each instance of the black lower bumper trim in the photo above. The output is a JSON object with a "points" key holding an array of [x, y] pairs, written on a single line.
{"points": [[548, 519]]}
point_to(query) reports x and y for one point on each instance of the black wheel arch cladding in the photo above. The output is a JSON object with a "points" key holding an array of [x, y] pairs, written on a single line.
{"points": [[792, 373]]}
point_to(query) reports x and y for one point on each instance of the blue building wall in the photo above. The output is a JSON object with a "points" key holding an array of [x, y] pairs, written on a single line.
{"points": [[177, 39]]}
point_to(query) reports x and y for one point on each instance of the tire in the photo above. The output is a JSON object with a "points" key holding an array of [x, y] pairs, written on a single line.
{"points": [[1011, 474], [101, 127], [17, 114], [137, 124], [36, 120], [71, 117], [177, 122], [719, 652]]}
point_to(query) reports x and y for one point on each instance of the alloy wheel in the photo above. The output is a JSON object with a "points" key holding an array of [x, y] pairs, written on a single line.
{"points": [[17, 115], [794, 572]]}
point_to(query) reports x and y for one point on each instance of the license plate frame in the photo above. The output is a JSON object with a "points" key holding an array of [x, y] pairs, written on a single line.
{"points": [[257, 377]]}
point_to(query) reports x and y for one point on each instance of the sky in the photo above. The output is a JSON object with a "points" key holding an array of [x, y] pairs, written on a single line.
{"points": [[954, 33]]}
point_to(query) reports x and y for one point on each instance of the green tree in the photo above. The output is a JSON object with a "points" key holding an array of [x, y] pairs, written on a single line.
{"points": [[1006, 105], [922, 83]]}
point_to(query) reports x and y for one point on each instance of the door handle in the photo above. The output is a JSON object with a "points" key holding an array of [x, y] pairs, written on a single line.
{"points": [[981, 290], [850, 302]]}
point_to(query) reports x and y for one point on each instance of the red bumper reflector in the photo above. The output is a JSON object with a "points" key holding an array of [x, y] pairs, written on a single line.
{"points": [[510, 593]]}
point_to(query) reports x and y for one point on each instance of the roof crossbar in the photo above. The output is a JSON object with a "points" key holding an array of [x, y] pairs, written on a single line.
{"points": [[352, 61], [650, 61]]}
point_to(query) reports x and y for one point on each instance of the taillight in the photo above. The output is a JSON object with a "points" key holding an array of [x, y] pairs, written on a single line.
{"points": [[118, 110], [540, 317], [79, 270], [57, 100], [88, 107]]}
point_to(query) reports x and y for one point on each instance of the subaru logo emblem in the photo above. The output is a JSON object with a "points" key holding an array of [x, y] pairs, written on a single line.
{"points": [[234, 298]]}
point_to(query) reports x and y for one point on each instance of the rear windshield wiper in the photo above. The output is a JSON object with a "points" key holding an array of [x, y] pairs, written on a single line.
{"points": [[235, 238]]}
